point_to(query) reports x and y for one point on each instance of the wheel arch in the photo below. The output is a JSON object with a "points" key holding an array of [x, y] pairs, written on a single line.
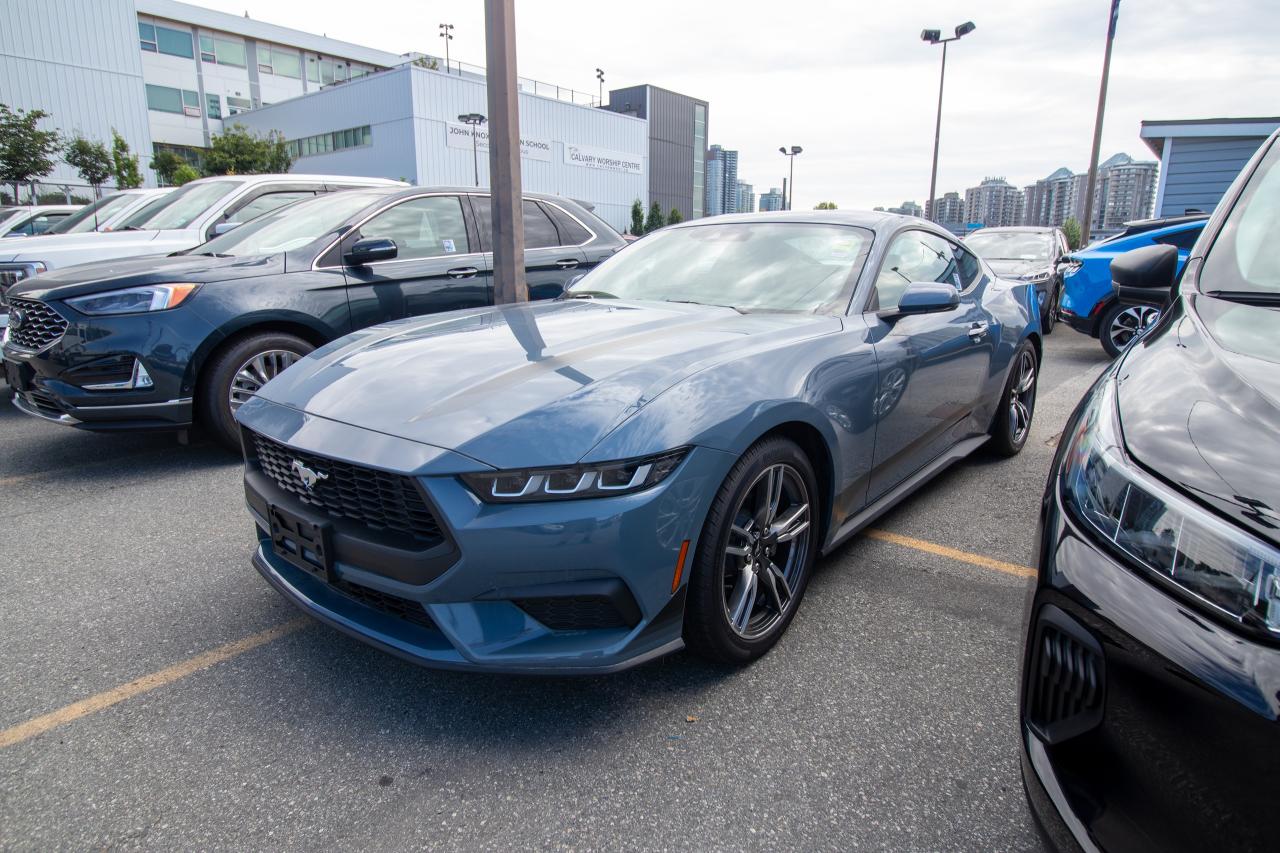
{"points": [[307, 331]]}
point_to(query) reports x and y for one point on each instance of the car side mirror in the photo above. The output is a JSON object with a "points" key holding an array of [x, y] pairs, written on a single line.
{"points": [[1145, 276], [223, 227], [928, 297], [368, 251]]}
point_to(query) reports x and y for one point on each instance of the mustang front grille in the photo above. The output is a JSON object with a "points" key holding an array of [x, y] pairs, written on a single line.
{"points": [[34, 325], [377, 499]]}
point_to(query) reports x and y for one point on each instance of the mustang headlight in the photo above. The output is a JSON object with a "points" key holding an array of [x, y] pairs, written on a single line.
{"points": [[1160, 530], [574, 482], [134, 300]]}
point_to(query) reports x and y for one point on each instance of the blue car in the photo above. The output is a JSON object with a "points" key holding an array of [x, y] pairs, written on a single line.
{"points": [[653, 461], [1088, 303]]}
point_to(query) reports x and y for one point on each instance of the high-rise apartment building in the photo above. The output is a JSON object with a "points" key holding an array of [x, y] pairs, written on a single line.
{"points": [[722, 181], [746, 198], [946, 210], [994, 202], [772, 200]]}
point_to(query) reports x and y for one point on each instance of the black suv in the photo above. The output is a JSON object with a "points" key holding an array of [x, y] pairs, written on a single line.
{"points": [[155, 343], [1151, 677]]}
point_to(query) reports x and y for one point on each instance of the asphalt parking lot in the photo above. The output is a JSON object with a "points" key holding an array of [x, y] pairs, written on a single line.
{"points": [[154, 692]]}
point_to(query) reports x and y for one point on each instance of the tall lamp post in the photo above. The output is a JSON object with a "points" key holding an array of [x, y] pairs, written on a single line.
{"points": [[1097, 127], [475, 120], [795, 149], [600, 77], [446, 33], [935, 37]]}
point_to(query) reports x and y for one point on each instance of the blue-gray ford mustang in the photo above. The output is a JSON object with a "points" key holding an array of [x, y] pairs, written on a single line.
{"points": [[653, 461]]}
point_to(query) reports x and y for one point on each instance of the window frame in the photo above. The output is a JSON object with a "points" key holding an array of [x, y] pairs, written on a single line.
{"points": [[591, 232], [869, 291]]}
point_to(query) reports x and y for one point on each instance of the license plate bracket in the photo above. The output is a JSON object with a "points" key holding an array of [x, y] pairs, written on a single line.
{"points": [[302, 543]]}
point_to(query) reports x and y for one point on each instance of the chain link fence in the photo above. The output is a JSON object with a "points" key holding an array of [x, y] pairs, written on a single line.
{"points": [[53, 192]]}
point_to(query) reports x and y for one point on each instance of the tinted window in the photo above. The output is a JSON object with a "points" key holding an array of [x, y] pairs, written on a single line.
{"points": [[422, 228], [266, 203], [914, 256], [969, 267], [539, 231], [571, 232], [1183, 239]]}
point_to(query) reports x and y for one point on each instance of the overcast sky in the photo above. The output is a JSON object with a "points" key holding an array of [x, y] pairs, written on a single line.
{"points": [[851, 81]]}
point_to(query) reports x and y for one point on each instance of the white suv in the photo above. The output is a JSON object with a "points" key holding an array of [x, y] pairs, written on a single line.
{"points": [[187, 217]]}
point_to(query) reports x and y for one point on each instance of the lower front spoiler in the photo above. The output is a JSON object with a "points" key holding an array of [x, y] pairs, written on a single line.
{"points": [[165, 415], [445, 649]]}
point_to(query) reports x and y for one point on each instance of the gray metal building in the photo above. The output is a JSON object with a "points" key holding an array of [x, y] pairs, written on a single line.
{"points": [[677, 144], [1199, 158]]}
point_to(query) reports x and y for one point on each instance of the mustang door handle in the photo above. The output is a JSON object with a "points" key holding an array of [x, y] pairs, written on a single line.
{"points": [[567, 263], [977, 331], [462, 272]]}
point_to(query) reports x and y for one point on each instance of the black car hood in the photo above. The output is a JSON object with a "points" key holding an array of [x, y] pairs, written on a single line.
{"points": [[1012, 268], [101, 276], [1199, 405]]}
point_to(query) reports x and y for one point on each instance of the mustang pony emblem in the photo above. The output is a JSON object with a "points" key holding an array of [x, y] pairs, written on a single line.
{"points": [[308, 476]]}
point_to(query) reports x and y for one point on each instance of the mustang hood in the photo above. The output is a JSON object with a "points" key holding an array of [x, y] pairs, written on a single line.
{"points": [[1217, 407], [524, 385], [133, 272]]}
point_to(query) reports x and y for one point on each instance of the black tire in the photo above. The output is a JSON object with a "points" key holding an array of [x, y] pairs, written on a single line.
{"points": [[1009, 434], [707, 629], [215, 382], [1114, 342], [1049, 317]]}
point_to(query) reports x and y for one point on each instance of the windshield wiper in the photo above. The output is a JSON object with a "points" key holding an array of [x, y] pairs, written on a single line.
{"points": [[1246, 297], [707, 304], [587, 294]]}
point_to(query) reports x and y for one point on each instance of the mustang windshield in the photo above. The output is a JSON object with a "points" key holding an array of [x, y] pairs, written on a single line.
{"points": [[290, 227], [764, 266], [1010, 245]]}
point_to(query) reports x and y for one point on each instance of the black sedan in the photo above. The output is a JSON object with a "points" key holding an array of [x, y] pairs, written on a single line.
{"points": [[1151, 681], [159, 342], [1027, 253]]}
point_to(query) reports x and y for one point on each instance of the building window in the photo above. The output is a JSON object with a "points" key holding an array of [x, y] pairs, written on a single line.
{"points": [[329, 71], [214, 106], [325, 143], [238, 105], [223, 51], [699, 157], [147, 37], [167, 100], [279, 61], [174, 42]]}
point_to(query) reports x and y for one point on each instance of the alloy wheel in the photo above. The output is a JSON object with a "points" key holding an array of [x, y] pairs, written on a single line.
{"points": [[1130, 323], [1022, 396], [766, 551], [256, 372]]}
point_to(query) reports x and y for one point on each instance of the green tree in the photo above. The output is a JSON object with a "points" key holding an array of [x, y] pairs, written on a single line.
{"points": [[125, 164], [26, 151], [184, 174], [238, 151], [655, 220], [91, 160], [165, 164], [675, 216], [825, 205], [637, 217], [1071, 228]]}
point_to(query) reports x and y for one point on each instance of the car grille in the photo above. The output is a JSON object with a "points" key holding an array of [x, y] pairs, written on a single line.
{"points": [[38, 327], [1064, 691], [392, 605], [574, 612], [378, 499]]}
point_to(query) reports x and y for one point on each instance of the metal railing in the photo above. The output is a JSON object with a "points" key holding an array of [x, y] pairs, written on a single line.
{"points": [[52, 192], [525, 84]]}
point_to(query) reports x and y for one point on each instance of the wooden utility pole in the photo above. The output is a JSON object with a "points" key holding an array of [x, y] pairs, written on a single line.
{"points": [[504, 152], [1097, 127]]}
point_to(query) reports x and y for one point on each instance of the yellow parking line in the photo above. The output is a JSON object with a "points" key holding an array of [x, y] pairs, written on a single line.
{"points": [[954, 554], [76, 710]]}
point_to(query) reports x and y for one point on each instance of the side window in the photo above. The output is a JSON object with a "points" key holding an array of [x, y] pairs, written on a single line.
{"points": [[539, 230], [422, 227], [913, 256], [571, 231], [1184, 240], [968, 267], [267, 203]]}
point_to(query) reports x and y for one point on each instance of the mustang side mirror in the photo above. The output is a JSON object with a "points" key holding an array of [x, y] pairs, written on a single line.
{"points": [[928, 297], [1145, 276], [368, 251]]}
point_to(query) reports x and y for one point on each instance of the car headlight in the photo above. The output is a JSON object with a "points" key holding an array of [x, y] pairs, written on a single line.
{"points": [[1043, 275], [134, 300], [1163, 532], [574, 482]]}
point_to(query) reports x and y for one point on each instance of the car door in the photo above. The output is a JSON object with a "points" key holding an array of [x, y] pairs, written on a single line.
{"points": [[548, 263], [932, 367], [437, 267]]}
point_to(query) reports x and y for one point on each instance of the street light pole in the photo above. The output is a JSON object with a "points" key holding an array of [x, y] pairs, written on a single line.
{"points": [[475, 120], [935, 37], [600, 77], [447, 35], [1097, 126], [795, 149]]}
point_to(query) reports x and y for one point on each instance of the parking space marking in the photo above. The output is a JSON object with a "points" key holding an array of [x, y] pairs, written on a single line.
{"points": [[39, 725], [953, 553]]}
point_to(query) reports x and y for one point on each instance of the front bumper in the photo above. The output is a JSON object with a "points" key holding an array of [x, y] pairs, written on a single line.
{"points": [[1182, 748], [513, 588]]}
